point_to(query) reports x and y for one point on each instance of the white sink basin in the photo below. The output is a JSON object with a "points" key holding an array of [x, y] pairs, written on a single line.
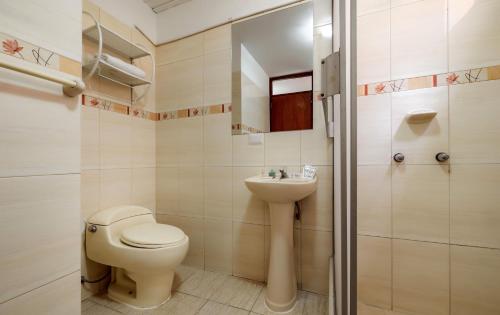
{"points": [[281, 194], [281, 190]]}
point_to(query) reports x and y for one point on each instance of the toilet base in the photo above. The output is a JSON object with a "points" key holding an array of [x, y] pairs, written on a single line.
{"points": [[143, 291]]}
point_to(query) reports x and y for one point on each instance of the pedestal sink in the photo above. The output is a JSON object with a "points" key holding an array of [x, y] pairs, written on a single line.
{"points": [[281, 195]]}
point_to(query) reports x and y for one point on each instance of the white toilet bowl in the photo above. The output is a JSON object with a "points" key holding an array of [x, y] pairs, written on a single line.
{"points": [[143, 254]]}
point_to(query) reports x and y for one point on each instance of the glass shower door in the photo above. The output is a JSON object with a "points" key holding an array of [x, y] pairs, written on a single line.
{"points": [[428, 154]]}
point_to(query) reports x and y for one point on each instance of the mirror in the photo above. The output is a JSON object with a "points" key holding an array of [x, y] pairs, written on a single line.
{"points": [[272, 78]]}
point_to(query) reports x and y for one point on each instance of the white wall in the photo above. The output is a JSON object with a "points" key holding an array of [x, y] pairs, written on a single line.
{"points": [[198, 15], [133, 13], [254, 92], [292, 85]]}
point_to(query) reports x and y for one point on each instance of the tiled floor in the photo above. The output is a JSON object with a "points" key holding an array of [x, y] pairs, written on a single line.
{"points": [[209, 293]]}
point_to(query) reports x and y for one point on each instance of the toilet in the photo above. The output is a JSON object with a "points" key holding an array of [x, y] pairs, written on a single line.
{"points": [[143, 254]]}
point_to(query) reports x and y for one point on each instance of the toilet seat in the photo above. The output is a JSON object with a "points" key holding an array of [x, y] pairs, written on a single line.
{"points": [[152, 235]]}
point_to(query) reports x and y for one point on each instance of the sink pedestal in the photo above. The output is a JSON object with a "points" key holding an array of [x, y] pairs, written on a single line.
{"points": [[281, 280], [281, 194]]}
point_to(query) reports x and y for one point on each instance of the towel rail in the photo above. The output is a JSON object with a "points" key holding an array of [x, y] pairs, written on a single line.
{"points": [[71, 87]]}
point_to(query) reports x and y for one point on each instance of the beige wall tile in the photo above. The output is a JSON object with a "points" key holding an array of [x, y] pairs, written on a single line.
{"points": [[218, 192], [186, 48], [40, 127], [374, 47], [245, 154], [374, 129], [193, 228], [418, 39], [371, 6], [143, 187], [374, 200], [217, 78], [115, 140], [145, 63], [317, 209], [246, 206], [315, 252], [475, 106], [248, 251], [216, 39], [421, 277], [474, 204], [148, 101], [475, 281], [420, 142], [167, 143], [35, 250], [143, 143], [474, 34], [219, 245], [397, 3], [364, 309], [315, 147], [217, 140], [112, 90], [90, 138], [190, 141], [374, 271], [180, 85], [116, 187], [420, 202], [60, 297], [191, 191], [167, 190], [90, 189], [282, 148]]}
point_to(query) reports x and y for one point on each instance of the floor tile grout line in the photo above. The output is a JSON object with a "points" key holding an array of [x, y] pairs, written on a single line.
{"points": [[258, 295]]}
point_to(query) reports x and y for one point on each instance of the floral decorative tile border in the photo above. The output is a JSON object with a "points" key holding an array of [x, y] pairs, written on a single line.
{"points": [[104, 104], [236, 128], [108, 105], [435, 80], [21, 49], [196, 111], [26, 51]]}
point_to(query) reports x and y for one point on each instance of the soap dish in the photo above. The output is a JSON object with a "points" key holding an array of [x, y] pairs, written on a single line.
{"points": [[421, 115]]}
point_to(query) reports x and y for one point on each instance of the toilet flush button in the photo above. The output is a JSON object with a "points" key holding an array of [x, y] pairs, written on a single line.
{"points": [[92, 228]]}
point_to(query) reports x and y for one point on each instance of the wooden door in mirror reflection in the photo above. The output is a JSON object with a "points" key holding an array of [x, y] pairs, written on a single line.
{"points": [[291, 102]]}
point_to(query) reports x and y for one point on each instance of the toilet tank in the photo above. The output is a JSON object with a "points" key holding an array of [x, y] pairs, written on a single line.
{"points": [[104, 228], [115, 214]]}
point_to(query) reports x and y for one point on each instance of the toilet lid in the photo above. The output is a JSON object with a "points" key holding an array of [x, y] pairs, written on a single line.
{"points": [[152, 235]]}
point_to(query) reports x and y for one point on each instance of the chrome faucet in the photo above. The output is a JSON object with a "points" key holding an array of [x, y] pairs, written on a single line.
{"points": [[283, 173]]}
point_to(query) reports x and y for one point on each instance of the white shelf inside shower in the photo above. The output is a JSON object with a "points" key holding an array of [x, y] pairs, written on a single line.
{"points": [[115, 42], [421, 115], [115, 74]]}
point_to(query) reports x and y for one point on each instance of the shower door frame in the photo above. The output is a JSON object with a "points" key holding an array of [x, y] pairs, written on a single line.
{"points": [[345, 217]]}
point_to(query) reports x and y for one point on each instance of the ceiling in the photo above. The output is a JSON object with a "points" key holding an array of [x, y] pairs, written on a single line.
{"points": [[281, 42], [162, 5]]}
